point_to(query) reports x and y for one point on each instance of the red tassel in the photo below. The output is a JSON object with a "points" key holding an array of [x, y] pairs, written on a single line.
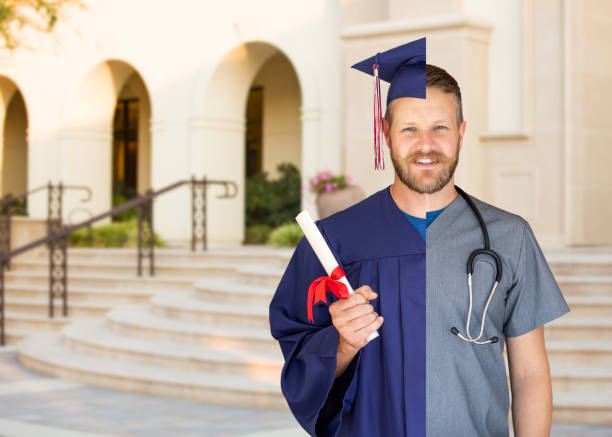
{"points": [[379, 157], [319, 287]]}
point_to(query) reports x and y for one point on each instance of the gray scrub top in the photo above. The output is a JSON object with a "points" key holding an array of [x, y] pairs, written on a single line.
{"points": [[466, 386]]}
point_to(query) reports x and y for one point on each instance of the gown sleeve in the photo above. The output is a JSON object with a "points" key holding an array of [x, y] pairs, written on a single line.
{"points": [[308, 381], [534, 298]]}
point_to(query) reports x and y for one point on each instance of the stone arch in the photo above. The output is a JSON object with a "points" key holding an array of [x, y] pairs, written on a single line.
{"points": [[87, 146], [218, 127], [14, 127]]}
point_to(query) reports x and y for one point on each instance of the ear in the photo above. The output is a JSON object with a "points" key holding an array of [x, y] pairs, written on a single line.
{"points": [[386, 128], [461, 133]]}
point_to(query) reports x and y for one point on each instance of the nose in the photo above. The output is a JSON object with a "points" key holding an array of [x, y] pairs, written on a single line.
{"points": [[426, 142]]}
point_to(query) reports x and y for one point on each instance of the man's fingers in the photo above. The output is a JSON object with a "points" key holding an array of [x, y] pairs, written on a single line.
{"points": [[362, 295], [357, 311], [363, 321], [366, 292], [349, 302], [371, 327], [366, 324], [355, 318]]}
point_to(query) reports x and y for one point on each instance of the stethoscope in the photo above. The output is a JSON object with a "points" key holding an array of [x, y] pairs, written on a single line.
{"points": [[470, 269]]}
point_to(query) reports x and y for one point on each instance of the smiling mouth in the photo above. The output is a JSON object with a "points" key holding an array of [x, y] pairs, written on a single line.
{"points": [[425, 164]]}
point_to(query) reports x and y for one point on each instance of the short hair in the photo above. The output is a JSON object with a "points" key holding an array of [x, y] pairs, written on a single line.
{"points": [[436, 77]]}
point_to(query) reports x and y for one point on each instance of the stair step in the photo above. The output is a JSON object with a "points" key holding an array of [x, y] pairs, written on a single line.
{"points": [[574, 379], [589, 306], [233, 291], [82, 294], [585, 408], [92, 337], [260, 274], [579, 328], [577, 352], [239, 256], [106, 281], [585, 285], [47, 354], [580, 263], [126, 268], [142, 323], [29, 322], [192, 309], [41, 307], [12, 336]]}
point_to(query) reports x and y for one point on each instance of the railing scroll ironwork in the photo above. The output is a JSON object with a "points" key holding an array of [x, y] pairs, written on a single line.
{"points": [[58, 237]]}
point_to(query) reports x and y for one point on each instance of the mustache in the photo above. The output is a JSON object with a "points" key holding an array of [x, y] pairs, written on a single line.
{"points": [[434, 156]]}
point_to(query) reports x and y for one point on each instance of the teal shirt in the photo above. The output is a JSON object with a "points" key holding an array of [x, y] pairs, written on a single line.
{"points": [[421, 224]]}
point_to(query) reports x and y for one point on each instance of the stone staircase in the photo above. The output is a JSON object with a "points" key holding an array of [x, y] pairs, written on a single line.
{"points": [[202, 333], [579, 344], [99, 280], [197, 330]]}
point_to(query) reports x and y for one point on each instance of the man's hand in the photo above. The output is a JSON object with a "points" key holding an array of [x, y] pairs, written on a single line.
{"points": [[355, 319]]}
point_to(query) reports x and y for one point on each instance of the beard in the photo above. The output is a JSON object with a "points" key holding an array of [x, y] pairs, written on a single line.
{"points": [[416, 183]]}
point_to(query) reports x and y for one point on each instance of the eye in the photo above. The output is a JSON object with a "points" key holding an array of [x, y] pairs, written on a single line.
{"points": [[443, 127], [409, 129]]}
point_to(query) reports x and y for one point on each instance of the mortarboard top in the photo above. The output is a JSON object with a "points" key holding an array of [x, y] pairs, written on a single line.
{"points": [[404, 68]]}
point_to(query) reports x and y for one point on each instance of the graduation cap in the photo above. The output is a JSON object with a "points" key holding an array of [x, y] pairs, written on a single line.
{"points": [[404, 68]]}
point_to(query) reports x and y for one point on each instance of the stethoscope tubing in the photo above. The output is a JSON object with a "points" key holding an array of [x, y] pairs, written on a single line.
{"points": [[470, 270]]}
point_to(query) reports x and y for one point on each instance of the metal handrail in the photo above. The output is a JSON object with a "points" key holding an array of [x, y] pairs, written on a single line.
{"points": [[9, 200], [13, 199], [57, 240]]}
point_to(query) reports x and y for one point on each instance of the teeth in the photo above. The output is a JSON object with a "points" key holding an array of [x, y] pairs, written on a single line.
{"points": [[425, 161]]}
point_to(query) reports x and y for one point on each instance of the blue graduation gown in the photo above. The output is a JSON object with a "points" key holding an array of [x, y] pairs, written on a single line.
{"points": [[382, 392]]}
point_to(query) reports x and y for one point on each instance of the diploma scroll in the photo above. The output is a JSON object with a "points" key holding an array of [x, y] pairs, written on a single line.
{"points": [[321, 249]]}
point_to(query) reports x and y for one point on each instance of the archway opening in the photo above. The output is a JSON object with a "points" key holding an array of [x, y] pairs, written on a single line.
{"points": [[14, 153], [106, 144], [252, 123], [273, 117], [272, 148], [254, 131], [131, 141]]}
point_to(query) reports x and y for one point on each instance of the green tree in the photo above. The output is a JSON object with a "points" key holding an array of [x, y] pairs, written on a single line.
{"points": [[273, 202], [41, 15]]}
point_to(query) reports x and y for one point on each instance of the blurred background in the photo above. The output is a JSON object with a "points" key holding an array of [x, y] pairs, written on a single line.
{"points": [[197, 130]]}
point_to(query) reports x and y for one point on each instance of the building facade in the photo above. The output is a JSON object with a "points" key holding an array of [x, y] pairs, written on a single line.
{"points": [[138, 95]]}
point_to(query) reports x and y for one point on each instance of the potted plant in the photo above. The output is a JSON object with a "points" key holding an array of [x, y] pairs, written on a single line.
{"points": [[334, 192]]}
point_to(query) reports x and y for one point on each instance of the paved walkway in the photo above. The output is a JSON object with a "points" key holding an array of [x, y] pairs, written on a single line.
{"points": [[36, 405], [33, 405]]}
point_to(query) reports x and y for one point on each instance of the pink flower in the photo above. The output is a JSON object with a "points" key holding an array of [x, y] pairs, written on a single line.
{"points": [[335, 185], [324, 176], [328, 187], [348, 180], [315, 181]]}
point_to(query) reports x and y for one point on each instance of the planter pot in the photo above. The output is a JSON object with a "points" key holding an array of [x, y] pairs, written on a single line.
{"points": [[337, 200]]}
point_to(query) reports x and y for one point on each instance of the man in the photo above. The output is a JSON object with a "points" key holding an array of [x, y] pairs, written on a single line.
{"points": [[422, 375]]}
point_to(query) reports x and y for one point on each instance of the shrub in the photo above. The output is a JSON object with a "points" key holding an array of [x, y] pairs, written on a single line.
{"points": [[126, 215], [121, 194], [20, 207], [273, 202], [257, 234], [119, 234], [288, 234]]}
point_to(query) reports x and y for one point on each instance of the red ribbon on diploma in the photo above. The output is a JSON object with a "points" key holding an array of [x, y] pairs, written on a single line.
{"points": [[319, 287]]}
